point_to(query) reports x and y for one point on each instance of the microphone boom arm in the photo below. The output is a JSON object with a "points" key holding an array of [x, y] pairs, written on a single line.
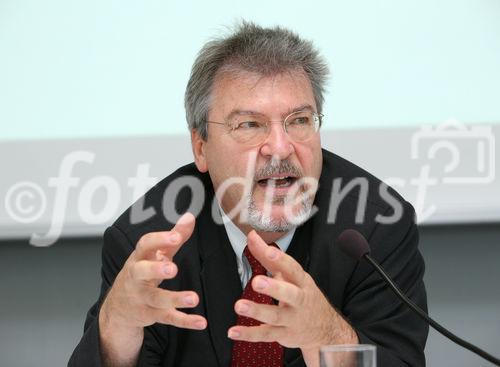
{"points": [[427, 318]]}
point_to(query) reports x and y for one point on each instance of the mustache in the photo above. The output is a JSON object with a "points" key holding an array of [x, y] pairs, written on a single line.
{"points": [[273, 167]]}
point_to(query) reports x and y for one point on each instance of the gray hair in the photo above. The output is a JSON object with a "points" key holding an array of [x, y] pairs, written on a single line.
{"points": [[251, 48]]}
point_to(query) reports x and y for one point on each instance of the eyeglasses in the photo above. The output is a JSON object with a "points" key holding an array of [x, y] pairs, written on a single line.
{"points": [[254, 129]]}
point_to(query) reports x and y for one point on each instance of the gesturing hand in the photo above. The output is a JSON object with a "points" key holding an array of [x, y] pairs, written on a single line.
{"points": [[135, 301], [302, 318]]}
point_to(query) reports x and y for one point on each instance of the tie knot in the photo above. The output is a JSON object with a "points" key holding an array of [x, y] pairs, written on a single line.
{"points": [[255, 265]]}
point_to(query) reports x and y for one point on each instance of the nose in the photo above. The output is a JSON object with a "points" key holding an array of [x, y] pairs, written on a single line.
{"points": [[278, 144]]}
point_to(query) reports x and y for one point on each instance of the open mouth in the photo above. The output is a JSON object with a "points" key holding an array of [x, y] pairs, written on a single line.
{"points": [[278, 182]]}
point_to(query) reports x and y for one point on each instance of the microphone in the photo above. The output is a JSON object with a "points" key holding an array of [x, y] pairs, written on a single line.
{"points": [[355, 245]]}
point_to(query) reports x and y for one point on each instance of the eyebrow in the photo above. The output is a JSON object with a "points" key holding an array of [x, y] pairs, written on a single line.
{"points": [[256, 113]]}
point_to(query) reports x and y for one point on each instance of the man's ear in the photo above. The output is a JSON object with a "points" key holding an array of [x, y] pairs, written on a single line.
{"points": [[198, 146]]}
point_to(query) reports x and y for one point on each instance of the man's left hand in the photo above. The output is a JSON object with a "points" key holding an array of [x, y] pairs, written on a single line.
{"points": [[303, 317]]}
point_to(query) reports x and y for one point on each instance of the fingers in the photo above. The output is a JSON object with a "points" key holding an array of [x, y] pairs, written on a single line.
{"points": [[165, 299], [156, 240], [144, 270], [164, 303], [262, 333], [268, 314], [168, 241], [275, 260], [184, 226], [181, 319], [280, 290]]}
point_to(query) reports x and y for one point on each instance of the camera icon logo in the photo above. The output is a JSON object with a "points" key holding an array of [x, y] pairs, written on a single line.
{"points": [[470, 151]]}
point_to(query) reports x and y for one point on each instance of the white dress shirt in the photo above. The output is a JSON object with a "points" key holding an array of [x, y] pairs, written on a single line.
{"points": [[238, 241]]}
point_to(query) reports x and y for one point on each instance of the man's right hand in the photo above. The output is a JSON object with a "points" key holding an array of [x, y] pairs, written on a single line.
{"points": [[135, 301]]}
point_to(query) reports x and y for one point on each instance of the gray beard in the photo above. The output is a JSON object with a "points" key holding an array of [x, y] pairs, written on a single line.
{"points": [[262, 222]]}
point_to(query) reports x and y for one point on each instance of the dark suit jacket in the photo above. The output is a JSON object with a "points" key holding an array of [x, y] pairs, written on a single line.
{"points": [[207, 265]]}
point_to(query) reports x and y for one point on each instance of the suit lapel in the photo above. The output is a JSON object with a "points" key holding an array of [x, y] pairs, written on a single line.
{"points": [[221, 284]]}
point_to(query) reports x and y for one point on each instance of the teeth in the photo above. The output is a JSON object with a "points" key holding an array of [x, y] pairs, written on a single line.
{"points": [[283, 181], [279, 181]]}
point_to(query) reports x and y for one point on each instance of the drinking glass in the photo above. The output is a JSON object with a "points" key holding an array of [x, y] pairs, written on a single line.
{"points": [[347, 355]]}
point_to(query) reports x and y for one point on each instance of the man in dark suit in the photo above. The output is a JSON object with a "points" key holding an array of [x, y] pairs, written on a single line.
{"points": [[172, 289]]}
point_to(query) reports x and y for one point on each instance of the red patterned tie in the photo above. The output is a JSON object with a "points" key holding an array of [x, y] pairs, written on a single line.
{"points": [[248, 354]]}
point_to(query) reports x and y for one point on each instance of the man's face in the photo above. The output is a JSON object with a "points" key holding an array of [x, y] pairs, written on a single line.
{"points": [[270, 98]]}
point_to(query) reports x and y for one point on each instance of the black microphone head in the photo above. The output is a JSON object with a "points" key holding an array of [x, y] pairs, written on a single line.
{"points": [[353, 244]]}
